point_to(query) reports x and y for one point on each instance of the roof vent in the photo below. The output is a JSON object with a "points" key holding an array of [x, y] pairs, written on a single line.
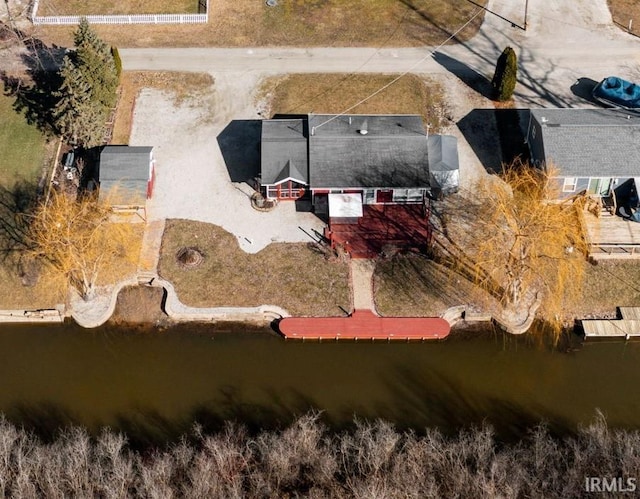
{"points": [[543, 119], [363, 131]]}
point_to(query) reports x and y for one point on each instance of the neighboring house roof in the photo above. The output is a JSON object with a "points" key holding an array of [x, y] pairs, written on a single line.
{"points": [[392, 153], [127, 169], [284, 151], [590, 142]]}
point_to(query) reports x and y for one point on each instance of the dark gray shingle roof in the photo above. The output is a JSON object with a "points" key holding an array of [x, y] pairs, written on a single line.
{"points": [[591, 142], [283, 151], [127, 169], [393, 152]]}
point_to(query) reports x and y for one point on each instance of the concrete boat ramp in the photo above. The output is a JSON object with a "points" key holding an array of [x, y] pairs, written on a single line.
{"points": [[627, 327]]}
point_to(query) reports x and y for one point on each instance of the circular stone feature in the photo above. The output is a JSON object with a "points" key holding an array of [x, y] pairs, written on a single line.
{"points": [[189, 257]]}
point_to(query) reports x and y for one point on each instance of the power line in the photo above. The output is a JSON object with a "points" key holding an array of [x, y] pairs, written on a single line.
{"points": [[384, 87]]}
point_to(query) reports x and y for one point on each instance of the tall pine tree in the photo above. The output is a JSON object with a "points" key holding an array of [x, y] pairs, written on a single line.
{"points": [[89, 82]]}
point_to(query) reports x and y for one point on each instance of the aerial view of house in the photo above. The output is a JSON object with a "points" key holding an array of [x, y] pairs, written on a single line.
{"points": [[319, 249], [385, 159], [594, 150]]}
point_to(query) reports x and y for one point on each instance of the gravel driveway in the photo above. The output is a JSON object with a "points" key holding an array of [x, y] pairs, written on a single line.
{"points": [[195, 141]]}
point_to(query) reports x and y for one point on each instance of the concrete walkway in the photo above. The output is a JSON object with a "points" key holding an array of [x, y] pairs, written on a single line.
{"points": [[361, 274], [96, 312], [150, 251]]}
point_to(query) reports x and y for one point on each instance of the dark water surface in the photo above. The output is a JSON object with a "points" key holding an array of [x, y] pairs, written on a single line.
{"points": [[156, 383]]}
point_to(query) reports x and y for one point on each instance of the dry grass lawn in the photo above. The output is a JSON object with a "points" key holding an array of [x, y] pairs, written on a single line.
{"points": [[413, 285], [86, 8], [416, 286], [48, 291], [622, 11], [15, 295], [180, 85], [333, 93], [608, 285], [304, 23], [125, 267], [294, 276]]}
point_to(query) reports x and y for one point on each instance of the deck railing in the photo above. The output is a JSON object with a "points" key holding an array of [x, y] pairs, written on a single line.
{"points": [[613, 250], [121, 18]]}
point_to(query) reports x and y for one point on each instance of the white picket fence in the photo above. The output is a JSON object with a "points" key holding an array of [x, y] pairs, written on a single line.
{"points": [[121, 18]]}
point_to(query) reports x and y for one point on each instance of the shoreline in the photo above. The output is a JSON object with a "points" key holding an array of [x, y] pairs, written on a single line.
{"points": [[103, 309]]}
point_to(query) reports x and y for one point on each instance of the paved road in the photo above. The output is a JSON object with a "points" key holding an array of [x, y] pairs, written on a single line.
{"points": [[565, 40]]}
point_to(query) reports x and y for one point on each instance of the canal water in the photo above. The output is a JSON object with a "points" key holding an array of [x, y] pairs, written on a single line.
{"points": [[154, 383]]}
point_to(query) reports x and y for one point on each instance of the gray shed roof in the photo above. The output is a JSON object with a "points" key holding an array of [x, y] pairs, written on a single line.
{"points": [[284, 151], [591, 142], [392, 153], [127, 169]]}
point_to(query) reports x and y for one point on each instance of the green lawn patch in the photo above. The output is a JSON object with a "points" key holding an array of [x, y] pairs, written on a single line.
{"points": [[297, 276], [22, 146]]}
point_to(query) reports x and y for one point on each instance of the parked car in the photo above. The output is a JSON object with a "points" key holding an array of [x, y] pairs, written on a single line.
{"points": [[617, 92]]}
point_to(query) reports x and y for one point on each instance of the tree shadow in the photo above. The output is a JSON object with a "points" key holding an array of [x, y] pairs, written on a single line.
{"points": [[422, 20], [239, 143], [46, 419], [15, 206], [34, 92], [496, 136], [469, 76], [429, 399], [480, 130]]}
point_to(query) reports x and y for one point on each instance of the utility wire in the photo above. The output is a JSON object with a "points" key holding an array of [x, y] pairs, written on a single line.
{"points": [[384, 87]]}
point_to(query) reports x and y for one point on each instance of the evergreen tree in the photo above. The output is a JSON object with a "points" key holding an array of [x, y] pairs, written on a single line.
{"points": [[88, 89], [117, 61], [505, 76]]}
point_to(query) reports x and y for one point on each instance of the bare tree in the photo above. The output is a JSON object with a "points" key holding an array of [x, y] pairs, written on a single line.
{"points": [[524, 245], [77, 241]]}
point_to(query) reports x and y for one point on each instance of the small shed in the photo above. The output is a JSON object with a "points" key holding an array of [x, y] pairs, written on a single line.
{"points": [[444, 166], [126, 175]]}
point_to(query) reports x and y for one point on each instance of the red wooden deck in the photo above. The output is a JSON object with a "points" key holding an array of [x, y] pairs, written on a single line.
{"points": [[364, 325], [400, 226]]}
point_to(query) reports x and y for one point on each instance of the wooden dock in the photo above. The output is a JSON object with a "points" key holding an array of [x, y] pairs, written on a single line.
{"points": [[612, 237], [365, 325], [44, 316], [627, 327]]}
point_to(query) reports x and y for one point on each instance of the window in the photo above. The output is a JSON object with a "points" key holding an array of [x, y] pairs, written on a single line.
{"points": [[407, 195], [570, 184], [369, 196]]}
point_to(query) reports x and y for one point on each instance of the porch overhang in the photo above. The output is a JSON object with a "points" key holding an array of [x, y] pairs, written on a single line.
{"points": [[345, 205]]}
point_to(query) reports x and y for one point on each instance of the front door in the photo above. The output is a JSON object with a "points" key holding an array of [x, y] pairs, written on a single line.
{"points": [[384, 196]]}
